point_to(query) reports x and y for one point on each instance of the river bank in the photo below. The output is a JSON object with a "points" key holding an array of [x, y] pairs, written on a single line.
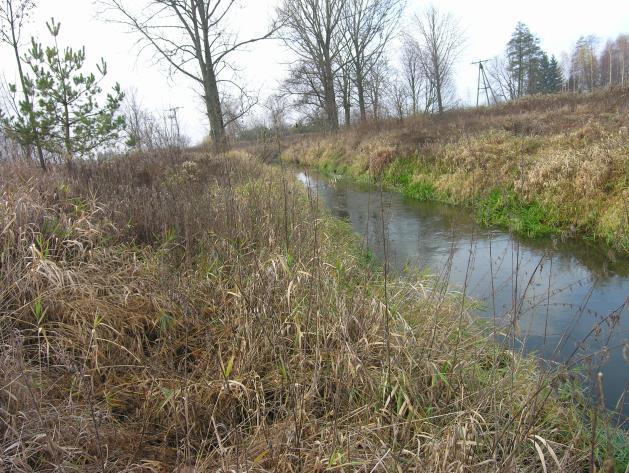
{"points": [[556, 292], [553, 165], [179, 312]]}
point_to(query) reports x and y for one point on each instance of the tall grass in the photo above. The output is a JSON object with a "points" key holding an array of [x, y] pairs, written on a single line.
{"points": [[548, 164], [193, 313]]}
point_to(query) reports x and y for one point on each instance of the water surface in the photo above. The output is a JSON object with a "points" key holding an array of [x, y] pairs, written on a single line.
{"points": [[570, 297]]}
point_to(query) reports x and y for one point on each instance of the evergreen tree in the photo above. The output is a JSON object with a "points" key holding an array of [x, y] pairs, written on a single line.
{"points": [[14, 14], [551, 78], [554, 76], [543, 76], [65, 104], [523, 60]]}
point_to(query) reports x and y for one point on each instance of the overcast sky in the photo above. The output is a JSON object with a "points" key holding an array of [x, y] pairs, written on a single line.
{"points": [[487, 23]]}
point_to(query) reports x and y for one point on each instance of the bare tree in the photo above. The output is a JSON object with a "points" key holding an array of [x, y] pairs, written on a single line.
{"points": [[9, 149], [277, 108], [376, 86], [584, 64], [146, 130], [136, 119], [344, 85], [441, 39], [398, 96], [311, 29], [613, 60], [14, 14], [192, 38], [368, 26], [503, 82], [412, 71], [622, 49], [304, 83]]}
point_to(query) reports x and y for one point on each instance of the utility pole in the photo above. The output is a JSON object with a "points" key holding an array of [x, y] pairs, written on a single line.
{"points": [[174, 124], [482, 76]]}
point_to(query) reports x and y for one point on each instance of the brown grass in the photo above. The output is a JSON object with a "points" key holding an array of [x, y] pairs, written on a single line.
{"points": [[188, 313], [566, 153]]}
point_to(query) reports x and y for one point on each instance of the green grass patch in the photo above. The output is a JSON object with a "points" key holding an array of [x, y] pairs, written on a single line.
{"points": [[507, 209], [419, 190]]}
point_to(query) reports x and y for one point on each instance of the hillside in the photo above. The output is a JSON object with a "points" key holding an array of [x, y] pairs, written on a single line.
{"points": [[555, 164]]}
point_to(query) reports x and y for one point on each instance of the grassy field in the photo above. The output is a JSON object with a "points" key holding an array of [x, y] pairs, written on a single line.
{"points": [[181, 312], [541, 165]]}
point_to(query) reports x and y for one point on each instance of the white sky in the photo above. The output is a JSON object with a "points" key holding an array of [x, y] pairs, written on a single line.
{"points": [[488, 25]]}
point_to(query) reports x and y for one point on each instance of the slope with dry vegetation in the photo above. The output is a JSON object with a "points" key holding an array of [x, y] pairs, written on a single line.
{"points": [[539, 165], [189, 313]]}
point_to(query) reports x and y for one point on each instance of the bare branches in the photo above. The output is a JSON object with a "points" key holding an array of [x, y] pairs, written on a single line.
{"points": [[312, 30], [503, 82], [192, 38], [440, 38], [157, 30], [13, 16], [338, 44], [368, 26], [413, 73]]}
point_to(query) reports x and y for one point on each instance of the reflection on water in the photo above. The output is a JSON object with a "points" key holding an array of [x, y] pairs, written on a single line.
{"points": [[562, 291]]}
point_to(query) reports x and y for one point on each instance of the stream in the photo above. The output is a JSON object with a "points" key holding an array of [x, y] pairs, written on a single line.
{"points": [[571, 297]]}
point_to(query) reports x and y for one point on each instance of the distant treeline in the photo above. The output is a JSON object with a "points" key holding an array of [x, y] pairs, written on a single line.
{"points": [[364, 65], [526, 68], [351, 61]]}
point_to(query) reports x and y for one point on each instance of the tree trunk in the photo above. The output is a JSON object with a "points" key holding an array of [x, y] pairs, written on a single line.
{"points": [[40, 156], [210, 86], [376, 105], [27, 98], [330, 99], [214, 112], [438, 90], [66, 130], [346, 85], [360, 90]]}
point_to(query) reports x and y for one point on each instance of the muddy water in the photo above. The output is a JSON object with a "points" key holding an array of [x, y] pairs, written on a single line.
{"points": [[571, 299]]}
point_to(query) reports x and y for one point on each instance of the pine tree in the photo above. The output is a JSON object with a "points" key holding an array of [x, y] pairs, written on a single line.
{"points": [[65, 105], [523, 60], [554, 76], [543, 80], [14, 14]]}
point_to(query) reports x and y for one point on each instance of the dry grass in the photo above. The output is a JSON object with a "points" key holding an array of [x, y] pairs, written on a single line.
{"points": [[187, 313], [565, 155]]}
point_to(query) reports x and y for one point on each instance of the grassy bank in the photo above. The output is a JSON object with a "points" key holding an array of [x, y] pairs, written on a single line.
{"points": [[542, 165], [192, 313]]}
